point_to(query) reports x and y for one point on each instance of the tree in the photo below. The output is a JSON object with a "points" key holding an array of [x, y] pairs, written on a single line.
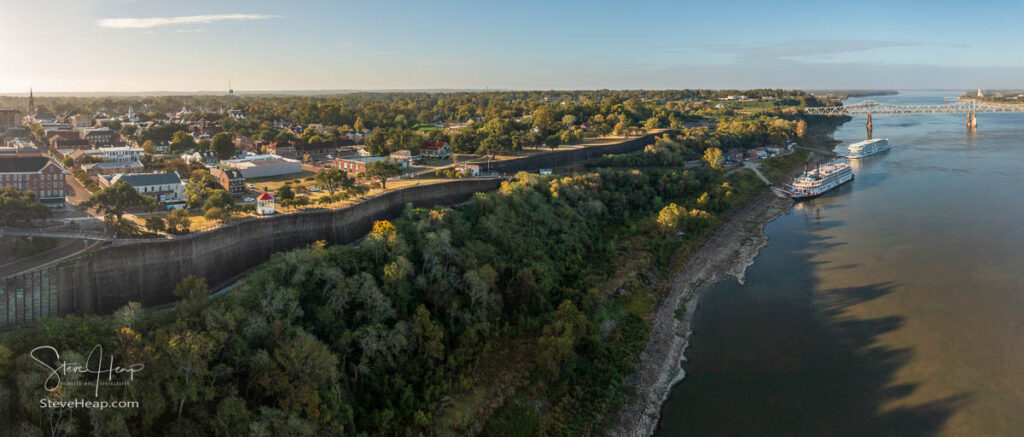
{"points": [[217, 214], [218, 199], [801, 128], [285, 193], [713, 156], [381, 171], [128, 130], [179, 166], [332, 179], [149, 147], [201, 184], [115, 200], [182, 142], [20, 205], [622, 127], [156, 224], [178, 222], [671, 217], [222, 145]]}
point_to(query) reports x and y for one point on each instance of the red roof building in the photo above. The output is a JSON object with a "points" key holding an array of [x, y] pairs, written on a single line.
{"points": [[436, 149]]}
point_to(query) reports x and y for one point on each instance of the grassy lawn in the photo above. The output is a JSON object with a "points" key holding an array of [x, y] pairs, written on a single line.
{"points": [[274, 182]]}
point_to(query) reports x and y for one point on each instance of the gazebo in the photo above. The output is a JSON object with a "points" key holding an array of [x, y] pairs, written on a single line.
{"points": [[265, 204]]}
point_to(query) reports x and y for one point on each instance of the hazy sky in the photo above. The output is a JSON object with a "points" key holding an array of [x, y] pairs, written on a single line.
{"points": [[186, 45]]}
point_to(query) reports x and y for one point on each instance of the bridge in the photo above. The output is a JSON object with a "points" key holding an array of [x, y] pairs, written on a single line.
{"points": [[55, 233], [971, 107]]}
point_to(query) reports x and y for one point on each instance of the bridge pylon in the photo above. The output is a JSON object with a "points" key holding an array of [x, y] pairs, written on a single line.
{"points": [[869, 125]]}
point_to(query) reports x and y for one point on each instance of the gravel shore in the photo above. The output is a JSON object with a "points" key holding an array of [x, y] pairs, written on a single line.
{"points": [[728, 252]]}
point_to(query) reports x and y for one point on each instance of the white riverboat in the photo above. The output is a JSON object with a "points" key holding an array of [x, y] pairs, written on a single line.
{"points": [[820, 180], [868, 147]]}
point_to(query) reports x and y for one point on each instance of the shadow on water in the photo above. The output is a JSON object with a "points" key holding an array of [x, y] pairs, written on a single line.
{"points": [[775, 357]]}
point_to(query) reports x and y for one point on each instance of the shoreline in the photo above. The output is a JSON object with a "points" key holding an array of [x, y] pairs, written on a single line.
{"points": [[728, 253]]}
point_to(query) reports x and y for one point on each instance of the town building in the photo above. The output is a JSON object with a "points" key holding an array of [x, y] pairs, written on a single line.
{"points": [[236, 114], [231, 179], [81, 121], [355, 165], [265, 204], [17, 147], [34, 173], [109, 154], [259, 166], [468, 169], [436, 150], [205, 157], [164, 187], [9, 118], [405, 158], [66, 146], [99, 137], [109, 168]]}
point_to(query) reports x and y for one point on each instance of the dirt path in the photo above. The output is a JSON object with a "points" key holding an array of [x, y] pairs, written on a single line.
{"points": [[727, 253]]}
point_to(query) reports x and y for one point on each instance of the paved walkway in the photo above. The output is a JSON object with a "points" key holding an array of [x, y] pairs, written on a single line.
{"points": [[53, 255]]}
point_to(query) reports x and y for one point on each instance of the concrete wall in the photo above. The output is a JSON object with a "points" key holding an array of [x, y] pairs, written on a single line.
{"points": [[148, 271]]}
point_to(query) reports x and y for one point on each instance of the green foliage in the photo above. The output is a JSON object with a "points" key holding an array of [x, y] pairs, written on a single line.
{"points": [[115, 200], [381, 170], [178, 222], [201, 185], [223, 145], [20, 206]]}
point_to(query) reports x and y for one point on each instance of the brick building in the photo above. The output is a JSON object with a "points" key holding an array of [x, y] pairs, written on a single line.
{"points": [[35, 173]]}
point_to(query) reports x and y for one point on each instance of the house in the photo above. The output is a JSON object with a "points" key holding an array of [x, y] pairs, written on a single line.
{"points": [[265, 204], [736, 155], [259, 166], [436, 149], [404, 158], [164, 187], [470, 169], [205, 157], [354, 166], [231, 179], [236, 114], [34, 173]]}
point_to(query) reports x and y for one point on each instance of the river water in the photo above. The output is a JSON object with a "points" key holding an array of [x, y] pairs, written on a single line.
{"points": [[892, 305]]}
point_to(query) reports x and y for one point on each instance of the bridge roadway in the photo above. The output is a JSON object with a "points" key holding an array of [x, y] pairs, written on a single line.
{"points": [[970, 106]]}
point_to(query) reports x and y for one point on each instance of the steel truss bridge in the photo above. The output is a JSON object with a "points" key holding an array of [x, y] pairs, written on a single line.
{"points": [[969, 107]]}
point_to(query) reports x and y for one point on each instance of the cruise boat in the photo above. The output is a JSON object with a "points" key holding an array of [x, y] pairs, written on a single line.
{"points": [[816, 182], [868, 147]]}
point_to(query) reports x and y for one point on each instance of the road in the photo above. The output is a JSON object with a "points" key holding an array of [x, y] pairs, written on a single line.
{"points": [[60, 252]]}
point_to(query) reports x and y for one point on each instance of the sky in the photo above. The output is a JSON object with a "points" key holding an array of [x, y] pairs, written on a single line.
{"points": [[188, 45]]}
